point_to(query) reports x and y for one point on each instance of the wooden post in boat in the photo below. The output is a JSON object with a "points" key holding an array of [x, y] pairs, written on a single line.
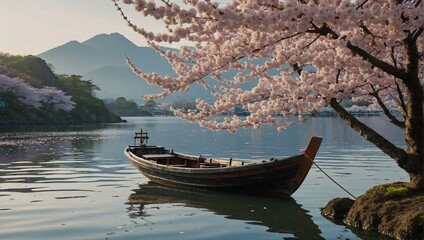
{"points": [[142, 136]]}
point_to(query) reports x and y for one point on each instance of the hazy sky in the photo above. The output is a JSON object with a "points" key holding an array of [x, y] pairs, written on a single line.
{"points": [[34, 26]]}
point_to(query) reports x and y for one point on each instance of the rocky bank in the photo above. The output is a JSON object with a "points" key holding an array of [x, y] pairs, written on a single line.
{"points": [[391, 209]]}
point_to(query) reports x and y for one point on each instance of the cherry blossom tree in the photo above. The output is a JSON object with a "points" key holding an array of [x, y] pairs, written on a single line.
{"points": [[54, 99], [47, 97], [25, 94], [368, 51]]}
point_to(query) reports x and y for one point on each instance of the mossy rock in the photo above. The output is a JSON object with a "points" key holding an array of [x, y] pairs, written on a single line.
{"points": [[337, 208], [391, 209]]}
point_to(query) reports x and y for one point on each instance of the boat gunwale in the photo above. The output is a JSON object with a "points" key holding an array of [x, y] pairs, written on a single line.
{"points": [[227, 169]]}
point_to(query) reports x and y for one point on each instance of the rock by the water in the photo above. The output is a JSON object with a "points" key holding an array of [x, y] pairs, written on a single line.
{"points": [[337, 208], [391, 209]]}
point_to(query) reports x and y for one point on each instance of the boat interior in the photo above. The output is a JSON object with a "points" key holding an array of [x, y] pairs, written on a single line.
{"points": [[162, 156]]}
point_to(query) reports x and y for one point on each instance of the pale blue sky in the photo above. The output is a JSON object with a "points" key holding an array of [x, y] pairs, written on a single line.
{"points": [[34, 26]]}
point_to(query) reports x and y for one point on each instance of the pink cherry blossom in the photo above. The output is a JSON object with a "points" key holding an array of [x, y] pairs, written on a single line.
{"points": [[52, 98], [48, 97], [367, 51], [26, 94]]}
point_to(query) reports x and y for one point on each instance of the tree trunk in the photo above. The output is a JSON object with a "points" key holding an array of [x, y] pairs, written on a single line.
{"points": [[414, 138], [414, 119], [417, 181], [412, 160]]}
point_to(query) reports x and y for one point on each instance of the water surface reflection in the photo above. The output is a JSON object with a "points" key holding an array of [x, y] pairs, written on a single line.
{"points": [[72, 182], [280, 214]]}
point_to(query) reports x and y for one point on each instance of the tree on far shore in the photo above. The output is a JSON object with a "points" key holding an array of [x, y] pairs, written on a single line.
{"points": [[364, 51], [49, 98]]}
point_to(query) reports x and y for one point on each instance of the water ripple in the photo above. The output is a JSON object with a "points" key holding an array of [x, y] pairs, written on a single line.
{"points": [[78, 185]]}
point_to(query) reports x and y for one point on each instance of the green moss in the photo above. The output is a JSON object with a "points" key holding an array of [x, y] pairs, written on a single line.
{"points": [[397, 192]]}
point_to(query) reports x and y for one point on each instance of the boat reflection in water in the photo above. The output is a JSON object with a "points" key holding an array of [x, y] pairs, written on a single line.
{"points": [[281, 214]]}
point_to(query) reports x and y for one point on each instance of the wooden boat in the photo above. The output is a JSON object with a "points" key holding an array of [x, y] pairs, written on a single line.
{"points": [[171, 168]]}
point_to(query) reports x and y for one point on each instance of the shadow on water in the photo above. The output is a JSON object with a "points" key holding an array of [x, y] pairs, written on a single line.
{"points": [[359, 232], [280, 214]]}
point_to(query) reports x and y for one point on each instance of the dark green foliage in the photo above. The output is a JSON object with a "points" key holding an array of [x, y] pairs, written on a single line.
{"points": [[92, 110], [125, 107], [150, 104], [11, 100], [74, 85], [32, 115], [32, 69]]}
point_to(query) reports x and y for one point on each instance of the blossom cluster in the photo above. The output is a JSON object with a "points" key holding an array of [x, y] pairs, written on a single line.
{"points": [[356, 50], [46, 97]]}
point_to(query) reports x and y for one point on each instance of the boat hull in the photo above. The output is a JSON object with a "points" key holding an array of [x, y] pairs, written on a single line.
{"points": [[282, 176]]}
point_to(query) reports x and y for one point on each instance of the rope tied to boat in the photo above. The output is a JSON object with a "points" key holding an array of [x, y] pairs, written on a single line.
{"points": [[326, 174]]}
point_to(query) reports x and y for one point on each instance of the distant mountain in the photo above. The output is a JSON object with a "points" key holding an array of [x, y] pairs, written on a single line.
{"points": [[72, 58], [102, 41], [118, 81], [102, 60]]}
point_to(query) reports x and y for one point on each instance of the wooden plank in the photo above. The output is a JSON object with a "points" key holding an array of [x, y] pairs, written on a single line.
{"points": [[178, 165], [158, 156]]}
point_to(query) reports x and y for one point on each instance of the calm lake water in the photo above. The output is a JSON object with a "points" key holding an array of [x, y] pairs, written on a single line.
{"points": [[75, 183]]}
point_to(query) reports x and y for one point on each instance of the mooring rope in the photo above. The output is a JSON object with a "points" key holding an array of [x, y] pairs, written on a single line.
{"points": [[344, 189]]}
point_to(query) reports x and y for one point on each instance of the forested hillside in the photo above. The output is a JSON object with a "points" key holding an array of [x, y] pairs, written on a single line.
{"points": [[30, 93]]}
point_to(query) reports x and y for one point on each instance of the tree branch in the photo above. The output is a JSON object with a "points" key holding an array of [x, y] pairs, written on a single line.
{"points": [[309, 44], [237, 58], [362, 4], [398, 154], [417, 33], [386, 111], [386, 67], [325, 30], [401, 98]]}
